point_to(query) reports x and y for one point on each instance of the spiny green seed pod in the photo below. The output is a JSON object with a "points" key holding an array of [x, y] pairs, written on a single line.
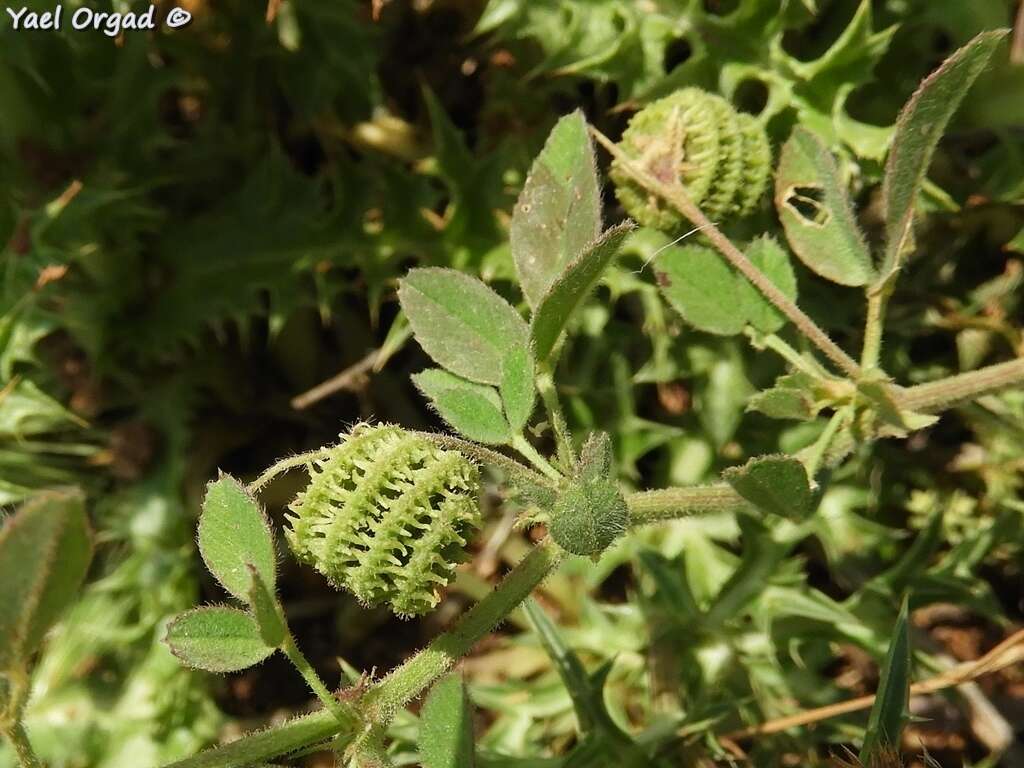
{"points": [[387, 516], [721, 157]]}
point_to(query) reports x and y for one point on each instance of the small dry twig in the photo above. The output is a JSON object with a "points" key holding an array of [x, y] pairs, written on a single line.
{"points": [[349, 378]]}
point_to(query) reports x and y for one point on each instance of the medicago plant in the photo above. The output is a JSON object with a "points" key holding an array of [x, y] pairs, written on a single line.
{"points": [[388, 512]]}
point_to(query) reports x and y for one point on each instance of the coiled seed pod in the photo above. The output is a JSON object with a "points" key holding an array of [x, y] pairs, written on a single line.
{"points": [[721, 157], [387, 516]]}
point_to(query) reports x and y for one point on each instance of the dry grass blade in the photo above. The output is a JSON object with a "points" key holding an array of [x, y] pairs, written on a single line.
{"points": [[1006, 654]]}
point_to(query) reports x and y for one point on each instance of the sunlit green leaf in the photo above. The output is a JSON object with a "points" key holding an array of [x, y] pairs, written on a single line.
{"points": [[461, 323], [918, 130], [776, 484], [472, 409], [816, 213], [517, 387], [217, 639], [558, 214], [233, 533], [701, 287], [571, 287], [264, 610]]}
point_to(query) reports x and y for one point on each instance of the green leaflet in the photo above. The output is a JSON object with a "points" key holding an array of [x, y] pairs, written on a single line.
{"points": [[558, 213], [233, 534], [264, 610], [460, 322], [571, 288], [217, 639], [45, 550], [816, 212], [712, 296], [918, 130], [783, 403], [701, 287], [25, 411], [446, 726], [517, 387], [772, 259], [472, 409], [889, 712], [776, 484], [721, 395]]}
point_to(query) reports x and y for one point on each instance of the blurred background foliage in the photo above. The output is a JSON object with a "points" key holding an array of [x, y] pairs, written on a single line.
{"points": [[201, 224]]}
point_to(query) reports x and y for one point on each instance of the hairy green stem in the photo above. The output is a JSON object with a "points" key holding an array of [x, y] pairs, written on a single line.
{"points": [[343, 713], [413, 677], [284, 465], [521, 444], [18, 740], [780, 347], [402, 685], [943, 394], [553, 406], [678, 198], [816, 452], [259, 747], [871, 352], [487, 456], [672, 503]]}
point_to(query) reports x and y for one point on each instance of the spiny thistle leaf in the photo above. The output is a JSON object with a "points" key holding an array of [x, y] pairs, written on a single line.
{"points": [[889, 712]]}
